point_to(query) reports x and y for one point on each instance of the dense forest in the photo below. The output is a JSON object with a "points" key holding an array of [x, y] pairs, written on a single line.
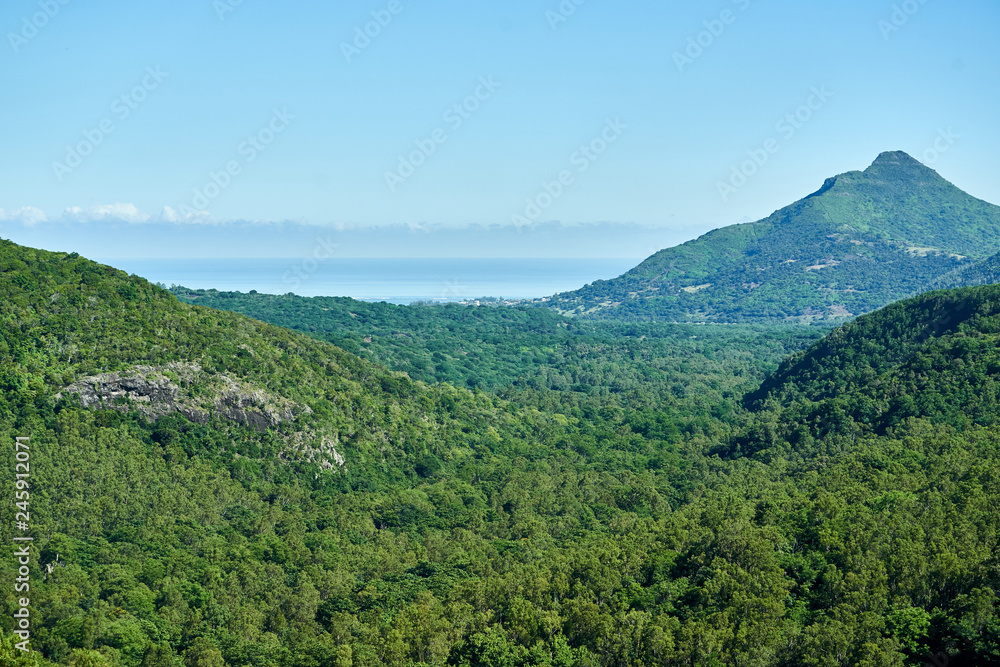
{"points": [[492, 487], [494, 348]]}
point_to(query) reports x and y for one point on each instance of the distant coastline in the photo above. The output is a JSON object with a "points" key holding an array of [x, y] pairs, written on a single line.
{"points": [[401, 281]]}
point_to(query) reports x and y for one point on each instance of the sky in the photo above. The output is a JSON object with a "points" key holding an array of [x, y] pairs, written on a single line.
{"points": [[246, 128]]}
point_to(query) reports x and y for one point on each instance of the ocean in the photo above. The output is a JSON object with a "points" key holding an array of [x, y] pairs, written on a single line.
{"points": [[401, 281]]}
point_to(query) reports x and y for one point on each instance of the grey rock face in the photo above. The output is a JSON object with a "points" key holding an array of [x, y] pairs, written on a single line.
{"points": [[154, 391]]}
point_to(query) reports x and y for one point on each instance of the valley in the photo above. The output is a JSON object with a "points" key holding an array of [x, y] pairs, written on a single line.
{"points": [[368, 484]]}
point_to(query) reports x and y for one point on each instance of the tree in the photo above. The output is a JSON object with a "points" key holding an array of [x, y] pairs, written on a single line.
{"points": [[203, 653], [85, 658], [160, 655]]}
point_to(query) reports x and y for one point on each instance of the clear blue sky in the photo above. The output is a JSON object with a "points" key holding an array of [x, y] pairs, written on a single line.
{"points": [[677, 129]]}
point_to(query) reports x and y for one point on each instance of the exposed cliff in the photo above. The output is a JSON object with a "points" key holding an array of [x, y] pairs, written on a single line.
{"points": [[156, 391]]}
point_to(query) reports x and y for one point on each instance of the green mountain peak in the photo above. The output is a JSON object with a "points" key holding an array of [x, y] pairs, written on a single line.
{"points": [[896, 169], [863, 240], [896, 158]]}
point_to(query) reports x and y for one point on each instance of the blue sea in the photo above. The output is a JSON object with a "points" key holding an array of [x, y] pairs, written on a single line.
{"points": [[400, 281]]}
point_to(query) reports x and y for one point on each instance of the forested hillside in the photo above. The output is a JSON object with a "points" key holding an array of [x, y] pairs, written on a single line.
{"points": [[986, 272], [239, 494], [862, 241], [936, 357]]}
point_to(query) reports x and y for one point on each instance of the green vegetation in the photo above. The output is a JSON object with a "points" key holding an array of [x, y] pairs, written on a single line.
{"points": [[864, 240], [494, 348], [603, 494]]}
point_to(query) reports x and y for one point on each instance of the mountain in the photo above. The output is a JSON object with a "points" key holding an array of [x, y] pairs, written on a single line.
{"points": [[74, 328], [861, 241]]}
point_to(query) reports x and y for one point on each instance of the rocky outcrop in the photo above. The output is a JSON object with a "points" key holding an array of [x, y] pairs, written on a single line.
{"points": [[156, 391], [310, 448]]}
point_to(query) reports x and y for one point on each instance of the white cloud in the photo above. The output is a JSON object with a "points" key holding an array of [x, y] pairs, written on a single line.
{"points": [[169, 214], [97, 212], [26, 215]]}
